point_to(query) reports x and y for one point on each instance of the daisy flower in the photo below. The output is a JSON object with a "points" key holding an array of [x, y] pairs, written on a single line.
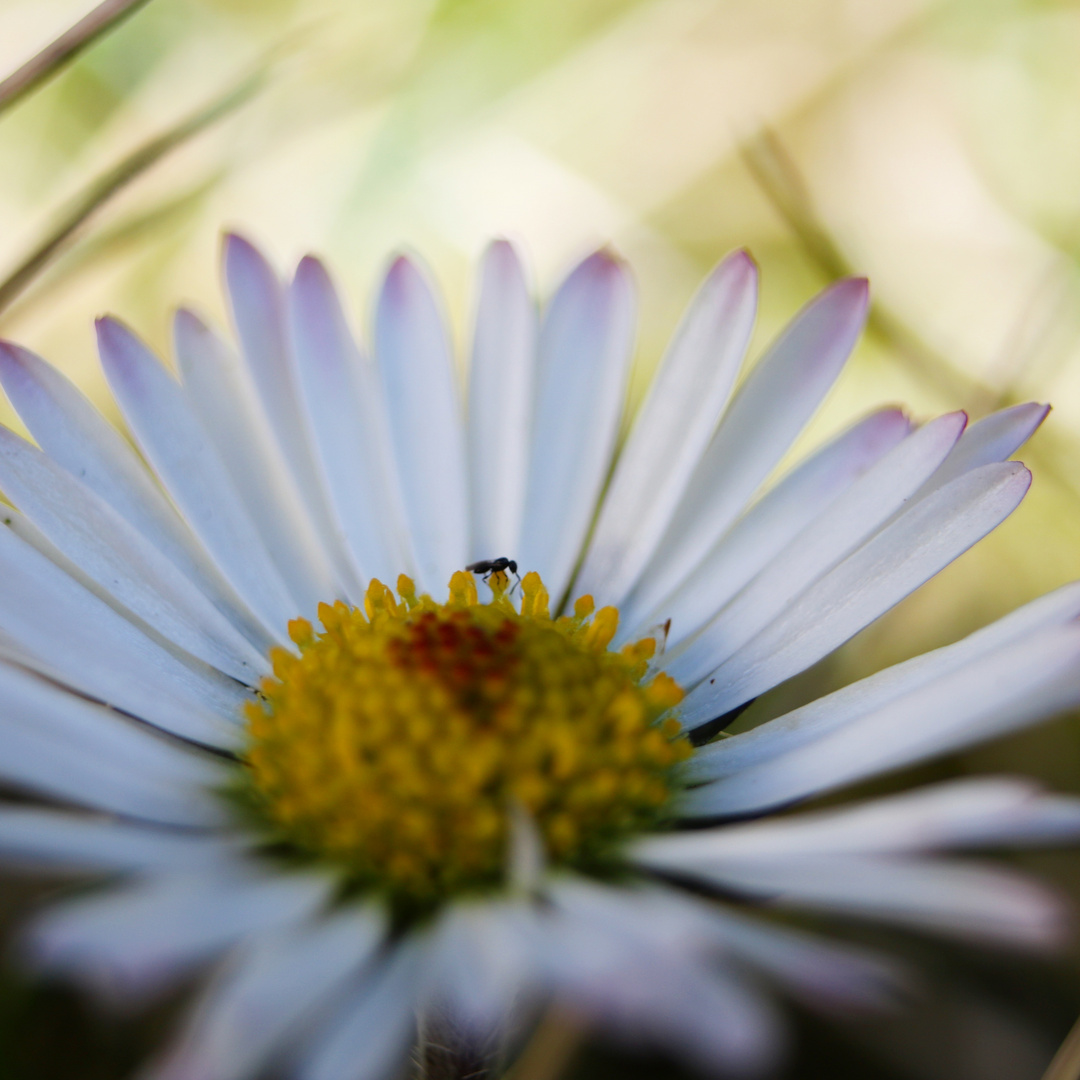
{"points": [[383, 802]]}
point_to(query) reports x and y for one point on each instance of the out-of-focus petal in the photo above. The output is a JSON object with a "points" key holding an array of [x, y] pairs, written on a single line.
{"points": [[974, 812], [138, 938], [370, 1037], [268, 994], [41, 839], [980, 903]]}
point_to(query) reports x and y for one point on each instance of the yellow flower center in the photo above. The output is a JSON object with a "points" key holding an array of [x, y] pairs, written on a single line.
{"points": [[402, 740]]}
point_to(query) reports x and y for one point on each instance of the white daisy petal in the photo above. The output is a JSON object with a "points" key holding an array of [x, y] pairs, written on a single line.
{"points": [[120, 560], [349, 429], [818, 718], [968, 901], [426, 428], [585, 342], [135, 624], [705, 1014], [38, 839], [779, 396], [687, 395], [134, 940], [268, 993], [257, 305], [993, 438], [218, 394], [182, 455], [370, 1038], [855, 515], [501, 383], [63, 746], [818, 972], [614, 963], [104, 655], [804, 494], [1004, 690], [900, 558], [963, 813], [487, 963], [821, 974], [76, 436]]}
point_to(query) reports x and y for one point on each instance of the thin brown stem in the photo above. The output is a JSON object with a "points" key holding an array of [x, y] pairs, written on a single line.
{"points": [[102, 189], [1066, 1063], [552, 1047], [64, 49]]}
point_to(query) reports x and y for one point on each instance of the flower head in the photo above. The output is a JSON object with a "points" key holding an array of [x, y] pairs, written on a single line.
{"points": [[459, 800]]}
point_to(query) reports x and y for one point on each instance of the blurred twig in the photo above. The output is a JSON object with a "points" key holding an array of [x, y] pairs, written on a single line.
{"points": [[65, 48], [110, 242], [551, 1048], [1066, 1063], [99, 191], [778, 177]]}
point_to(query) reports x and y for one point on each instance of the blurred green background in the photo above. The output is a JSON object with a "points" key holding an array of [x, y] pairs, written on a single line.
{"points": [[932, 145]]}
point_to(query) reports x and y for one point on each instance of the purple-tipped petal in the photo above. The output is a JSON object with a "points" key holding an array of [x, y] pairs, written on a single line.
{"points": [[257, 303], [585, 343], [799, 498], [346, 414], [687, 397], [918, 544], [182, 455], [426, 429], [993, 438], [501, 386], [851, 520], [222, 400], [778, 398]]}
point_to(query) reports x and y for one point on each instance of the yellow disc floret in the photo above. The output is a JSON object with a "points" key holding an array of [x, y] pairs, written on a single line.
{"points": [[402, 739]]}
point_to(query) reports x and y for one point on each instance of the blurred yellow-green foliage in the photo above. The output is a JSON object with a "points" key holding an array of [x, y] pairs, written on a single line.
{"points": [[932, 145]]}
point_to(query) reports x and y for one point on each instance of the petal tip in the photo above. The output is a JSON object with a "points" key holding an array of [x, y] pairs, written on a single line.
{"points": [[742, 257], [405, 283], [236, 245]]}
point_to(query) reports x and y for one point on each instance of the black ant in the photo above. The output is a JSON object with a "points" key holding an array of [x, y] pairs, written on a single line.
{"points": [[487, 567]]}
